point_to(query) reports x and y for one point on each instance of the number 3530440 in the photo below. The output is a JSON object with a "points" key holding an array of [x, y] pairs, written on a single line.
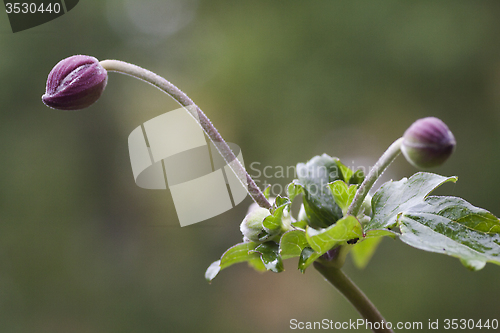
{"points": [[32, 8], [471, 324]]}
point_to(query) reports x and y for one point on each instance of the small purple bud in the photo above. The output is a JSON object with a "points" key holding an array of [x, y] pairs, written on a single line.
{"points": [[332, 254], [75, 83], [428, 143]]}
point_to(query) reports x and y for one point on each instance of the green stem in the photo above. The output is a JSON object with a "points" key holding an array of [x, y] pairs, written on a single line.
{"points": [[384, 161], [200, 117], [354, 295]]}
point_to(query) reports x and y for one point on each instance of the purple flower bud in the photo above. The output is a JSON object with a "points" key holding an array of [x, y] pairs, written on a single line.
{"points": [[332, 254], [428, 143], [75, 83]]}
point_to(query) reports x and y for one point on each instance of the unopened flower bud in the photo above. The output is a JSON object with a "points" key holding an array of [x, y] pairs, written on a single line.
{"points": [[428, 143], [252, 226], [75, 83]]}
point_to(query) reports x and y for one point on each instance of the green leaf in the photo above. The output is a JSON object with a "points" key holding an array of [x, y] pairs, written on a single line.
{"points": [[238, 253], [452, 226], [235, 254], [349, 176], [307, 257], [257, 264], [292, 243], [320, 207], [460, 211], [396, 197], [363, 251], [322, 240], [280, 201], [439, 234], [269, 254], [342, 194], [300, 224], [293, 190], [346, 172], [357, 178], [379, 233], [267, 191], [274, 221]]}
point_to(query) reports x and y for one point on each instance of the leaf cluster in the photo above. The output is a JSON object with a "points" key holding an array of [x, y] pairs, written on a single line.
{"points": [[404, 209]]}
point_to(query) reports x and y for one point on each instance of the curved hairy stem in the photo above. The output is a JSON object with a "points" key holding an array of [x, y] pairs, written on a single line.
{"points": [[384, 161], [354, 295], [200, 117]]}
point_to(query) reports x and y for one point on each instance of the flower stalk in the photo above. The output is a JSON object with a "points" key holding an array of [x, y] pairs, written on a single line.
{"points": [[378, 169], [205, 123], [354, 295]]}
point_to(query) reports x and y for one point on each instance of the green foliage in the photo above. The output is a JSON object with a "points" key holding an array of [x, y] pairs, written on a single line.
{"points": [[293, 190], [454, 227], [395, 197], [267, 191], [446, 225], [440, 224], [269, 254], [320, 207], [342, 194], [460, 211], [302, 224], [292, 243], [235, 254], [274, 222], [349, 176], [307, 257], [322, 240], [345, 171]]}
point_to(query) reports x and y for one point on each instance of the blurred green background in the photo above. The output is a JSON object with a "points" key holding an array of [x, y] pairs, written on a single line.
{"points": [[83, 249]]}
